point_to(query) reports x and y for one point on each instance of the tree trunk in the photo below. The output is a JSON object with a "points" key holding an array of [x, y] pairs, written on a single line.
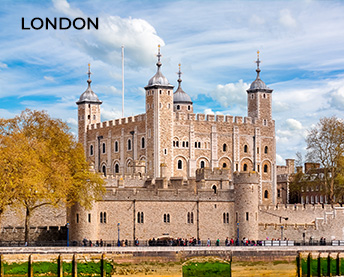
{"points": [[27, 226]]}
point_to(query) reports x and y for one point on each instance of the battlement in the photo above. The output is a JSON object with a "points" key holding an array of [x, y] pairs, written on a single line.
{"points": [[245, 178], [117, 122], [299, 207], [209, 174]]}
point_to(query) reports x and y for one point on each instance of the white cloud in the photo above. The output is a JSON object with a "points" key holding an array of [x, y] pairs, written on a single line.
{"points": [[286, 19], [3, 65], [64, 7], [49, 78], [231, 94], [208, 111], [293, 124], [279, 159]]}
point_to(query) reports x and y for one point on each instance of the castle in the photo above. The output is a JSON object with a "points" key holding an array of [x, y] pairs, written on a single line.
{"points": [[170, 172]]}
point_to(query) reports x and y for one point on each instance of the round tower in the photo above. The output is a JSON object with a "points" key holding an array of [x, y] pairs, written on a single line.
{"points": [[181, 100], [83, 223], [246, 205], [88, 110]]}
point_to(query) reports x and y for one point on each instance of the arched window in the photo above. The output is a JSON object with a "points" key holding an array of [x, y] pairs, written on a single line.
{"points": [[245, 167], [214, 188], [91, 150], [180, 164], [245, 148], [104, 170], [168, 218], [191, 218], [101, 217], [116, 146], [143, 142], [195, 144], [129, 144], [188, 218], [183, 144], [265, 149], [174, 144], [199, 145], [265, 168], [266, 194], [189, 108], [227, 218], [116, 168], [104, 147], [104, 217], [224, 165], [224, 147], [178, 107], [224, 217], [202, 164], [278, 193]]}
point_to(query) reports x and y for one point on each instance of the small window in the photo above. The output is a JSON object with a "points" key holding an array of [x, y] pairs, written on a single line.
{"points": [[245, 167], [88, 117], [168, 92], [227, 218], [266, 194], [160, 92], [224, 147], [195, 144], [214, 188], [104, 170], [264, 95], [142, 142], [247, 214], [89, 218], [236, 167], [167, 218], [104, 217], [258, 168], [94, 117], [199, 145], [252, 96], [183, 143], [129, 144], [165, 151], [265, 122], [202, 164], [188, 218], [116, 146], [178, 107], [257, 150], [224, 165], [91, 150], [180, 164], [104, 147], [177, 143], [187, 144], [278, 193], [245, 148], [266, 150], [142, 221], [191, 218], [116, 168], [265, 168], [189, 108], [169, 106], [160, 105], [77, 218], [101, 217], [147, 106], [140, 217]]}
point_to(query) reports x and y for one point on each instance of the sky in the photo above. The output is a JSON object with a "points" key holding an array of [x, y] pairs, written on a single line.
{"points": [[301, 46]]}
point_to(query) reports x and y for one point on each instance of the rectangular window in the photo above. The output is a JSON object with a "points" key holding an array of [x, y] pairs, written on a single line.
{"points": [[246, 216], [89, 218], [77, 218]]}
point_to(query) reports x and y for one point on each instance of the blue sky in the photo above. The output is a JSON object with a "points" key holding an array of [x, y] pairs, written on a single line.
{"points": [[301, 45]]}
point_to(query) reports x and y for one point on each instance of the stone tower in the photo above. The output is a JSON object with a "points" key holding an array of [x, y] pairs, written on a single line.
{"points": [[88, 111], [159, 124], [259, 98], [246, 204]]}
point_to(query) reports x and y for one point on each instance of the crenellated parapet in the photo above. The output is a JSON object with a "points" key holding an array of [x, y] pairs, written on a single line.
{"points": [[117, 122], [212, 174]]}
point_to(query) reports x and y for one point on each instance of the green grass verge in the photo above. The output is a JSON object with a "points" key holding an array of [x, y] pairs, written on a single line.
{"points": [[207, 269]]}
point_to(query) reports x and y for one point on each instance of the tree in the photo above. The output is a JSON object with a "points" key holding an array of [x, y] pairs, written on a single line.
{"points": [[325, 144], [43, 164]]}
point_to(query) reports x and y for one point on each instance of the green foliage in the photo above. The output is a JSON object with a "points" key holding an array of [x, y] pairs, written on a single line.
{"points": [[207, 269], [39, 268]]}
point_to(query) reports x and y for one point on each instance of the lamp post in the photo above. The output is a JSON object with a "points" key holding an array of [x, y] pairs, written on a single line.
{"points": [[285, 218], [67, 225], [118, 242], [238, 240]]}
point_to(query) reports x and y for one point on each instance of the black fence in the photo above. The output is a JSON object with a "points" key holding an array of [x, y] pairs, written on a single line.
{"points": [[171, 243]]}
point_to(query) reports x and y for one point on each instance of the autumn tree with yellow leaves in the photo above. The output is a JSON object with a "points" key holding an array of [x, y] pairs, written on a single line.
{"points": [[42, 164]]}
